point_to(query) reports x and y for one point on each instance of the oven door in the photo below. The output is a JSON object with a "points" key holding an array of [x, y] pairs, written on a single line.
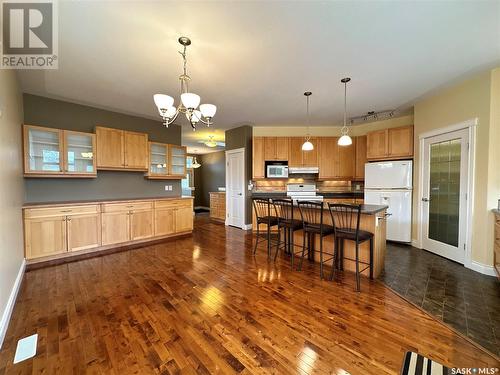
{"points": [[277, 171]]}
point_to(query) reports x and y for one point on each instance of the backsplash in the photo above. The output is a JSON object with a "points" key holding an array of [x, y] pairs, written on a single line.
{"points": [[322, 186]]}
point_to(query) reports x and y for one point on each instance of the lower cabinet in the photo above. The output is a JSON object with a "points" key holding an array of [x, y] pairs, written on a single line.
{"points": [[53, 231]]}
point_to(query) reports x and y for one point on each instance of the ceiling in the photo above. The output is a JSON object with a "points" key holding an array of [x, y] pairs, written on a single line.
{"points": [[255, 59]]}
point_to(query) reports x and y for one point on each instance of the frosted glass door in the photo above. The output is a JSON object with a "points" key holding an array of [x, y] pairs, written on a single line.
{"points": [[444, 195], [43, 147], [79, 153], [158, 159], [178, 160]]}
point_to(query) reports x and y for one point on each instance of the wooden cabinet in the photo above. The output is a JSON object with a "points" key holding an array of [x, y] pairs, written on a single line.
{"points": [[360, 157], [275, 148], [141, 224], [400, 142], [56, 230], [166, 161], [335, 162], [58, 153], [299, 158], [121, 150], [115, 227], [258, 157], [83, 231], [183, 219], [164, 220], [180, 210], [177, 159], [124, 222], [218, 205], [393, 143]]}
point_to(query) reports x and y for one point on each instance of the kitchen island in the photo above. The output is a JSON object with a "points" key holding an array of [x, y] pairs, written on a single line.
{"points": [[373, 219]]}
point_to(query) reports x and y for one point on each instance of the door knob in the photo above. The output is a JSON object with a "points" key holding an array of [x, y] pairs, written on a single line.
{"points": [[426, 200], [240, 194]]}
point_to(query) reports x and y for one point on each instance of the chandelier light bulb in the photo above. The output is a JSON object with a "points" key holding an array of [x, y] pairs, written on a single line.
{"points": [[190, 100], [163, 101]]}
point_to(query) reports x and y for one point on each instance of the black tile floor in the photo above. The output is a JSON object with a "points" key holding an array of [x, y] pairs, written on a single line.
{"points": [[460, 297]]}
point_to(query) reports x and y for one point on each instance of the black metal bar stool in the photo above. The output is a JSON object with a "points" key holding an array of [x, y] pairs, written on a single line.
{"points": [[312, 223], [286, 221], [265, 213], [345, 219]]}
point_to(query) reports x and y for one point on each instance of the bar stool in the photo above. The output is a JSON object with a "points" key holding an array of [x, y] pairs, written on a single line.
{"points": [[265, 213], [286, 221], [345, 219], [312, 223]]}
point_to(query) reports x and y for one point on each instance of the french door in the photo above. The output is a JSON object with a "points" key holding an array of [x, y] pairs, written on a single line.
{"points": [[444, 196]]}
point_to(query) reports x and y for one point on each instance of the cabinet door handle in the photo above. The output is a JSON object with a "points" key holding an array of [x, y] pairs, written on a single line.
{"points": [[66, 211]]}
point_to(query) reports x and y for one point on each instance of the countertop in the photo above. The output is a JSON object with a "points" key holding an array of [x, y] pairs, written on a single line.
{"points": [[98, 201]]}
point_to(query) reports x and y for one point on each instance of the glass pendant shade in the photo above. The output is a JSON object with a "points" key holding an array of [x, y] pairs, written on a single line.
{"points": [[307, 146], [190, 100], [171, 111], [208, 110], [345, 140], [163, 101], [195, 163]]}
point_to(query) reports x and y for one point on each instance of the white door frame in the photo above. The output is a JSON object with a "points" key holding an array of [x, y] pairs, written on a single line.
{"points": [[471, 126], [235, 151]]}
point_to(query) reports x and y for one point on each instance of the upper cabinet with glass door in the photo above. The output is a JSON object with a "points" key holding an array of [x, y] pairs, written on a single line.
{"points": [[58, 153], [177, 161], [166, 161]]}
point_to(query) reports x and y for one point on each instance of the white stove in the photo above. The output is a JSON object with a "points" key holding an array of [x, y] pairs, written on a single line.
{"points": [[303, 192]]}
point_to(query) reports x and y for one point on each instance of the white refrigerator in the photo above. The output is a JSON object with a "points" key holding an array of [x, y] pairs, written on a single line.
{"points": [[390, 183]]}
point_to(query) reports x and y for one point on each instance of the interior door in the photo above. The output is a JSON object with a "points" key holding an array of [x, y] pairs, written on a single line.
{"points": [[444, 196], [235, 189]]}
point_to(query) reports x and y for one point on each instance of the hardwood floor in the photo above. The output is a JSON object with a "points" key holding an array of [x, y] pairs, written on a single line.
{"points": [[204, 304]]}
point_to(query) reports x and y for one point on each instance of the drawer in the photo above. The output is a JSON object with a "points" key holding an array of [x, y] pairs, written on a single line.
{"points": [[31, 213], [174, 203], [128, 206]]}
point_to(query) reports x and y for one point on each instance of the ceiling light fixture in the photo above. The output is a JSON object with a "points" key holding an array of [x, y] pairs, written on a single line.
{"points": [[189, 101], [210, 141], [307, 145], [344, 139], [195, 163]]}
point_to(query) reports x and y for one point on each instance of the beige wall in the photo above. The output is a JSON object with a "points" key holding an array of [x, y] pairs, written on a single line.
{"points": [[11, 187], [325, 131], [467, 100]]}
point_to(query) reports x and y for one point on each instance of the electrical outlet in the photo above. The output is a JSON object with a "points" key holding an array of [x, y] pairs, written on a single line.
{"points": [[168, 187]]}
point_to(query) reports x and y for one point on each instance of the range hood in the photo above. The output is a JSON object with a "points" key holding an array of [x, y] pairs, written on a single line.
{"points": [[303, 170]]}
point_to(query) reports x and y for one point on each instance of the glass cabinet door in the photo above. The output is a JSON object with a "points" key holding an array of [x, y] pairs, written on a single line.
{"points": [[43, 150], [177, 160], [158, 156], [79, 151]]}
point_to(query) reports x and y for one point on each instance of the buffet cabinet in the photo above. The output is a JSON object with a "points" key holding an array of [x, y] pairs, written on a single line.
{"points": [[66, 229]]}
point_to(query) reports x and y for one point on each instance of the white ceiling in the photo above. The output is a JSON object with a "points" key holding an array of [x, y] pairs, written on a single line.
{"points": [[255, 59]]}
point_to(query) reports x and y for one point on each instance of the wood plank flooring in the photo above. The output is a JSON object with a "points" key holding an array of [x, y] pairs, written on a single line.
{"points": [[204, 304]]}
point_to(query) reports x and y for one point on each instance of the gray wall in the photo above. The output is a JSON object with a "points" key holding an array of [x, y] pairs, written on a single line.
{"points": [[108, 184], [11, 191], [210, 176], [241, 137]]}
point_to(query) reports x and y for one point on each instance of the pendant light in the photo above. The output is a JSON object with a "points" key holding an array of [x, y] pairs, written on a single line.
{"points": [[307, 145], [345, 140], [195, 163]]}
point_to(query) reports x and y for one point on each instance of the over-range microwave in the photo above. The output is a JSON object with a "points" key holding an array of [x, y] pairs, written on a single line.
{"points": [[277, 169]]}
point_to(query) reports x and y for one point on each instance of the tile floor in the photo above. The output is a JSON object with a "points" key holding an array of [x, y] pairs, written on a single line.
{"points": [[462, 298]]}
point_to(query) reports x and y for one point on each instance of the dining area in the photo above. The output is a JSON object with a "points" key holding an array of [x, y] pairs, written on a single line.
{"points": [[338, 236]]}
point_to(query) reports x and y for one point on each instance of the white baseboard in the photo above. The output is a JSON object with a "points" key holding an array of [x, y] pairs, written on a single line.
{"points": [[415, 243], [247, 227], [482, 268], [4, 323], [201, 207]]}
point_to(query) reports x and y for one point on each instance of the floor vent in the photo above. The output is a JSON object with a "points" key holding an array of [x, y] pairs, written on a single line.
{"points": [[26, 348]]}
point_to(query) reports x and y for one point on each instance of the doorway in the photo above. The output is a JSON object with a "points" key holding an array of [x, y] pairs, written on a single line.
{"points": [[445, 189], [235, 188]]}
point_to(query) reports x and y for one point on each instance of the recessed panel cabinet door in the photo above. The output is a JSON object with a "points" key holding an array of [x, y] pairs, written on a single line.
{"points": [[115, 227], [258, 157], [141, 224], [295, 151], [110, 148], [282, 148], [84, 232], [401, 141], [377, 144], [269, 148], [360, 157], [310, 158], [164, 221], [45, 236], [328, 157], [136, 150], [183, 219], [347, 161]]}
